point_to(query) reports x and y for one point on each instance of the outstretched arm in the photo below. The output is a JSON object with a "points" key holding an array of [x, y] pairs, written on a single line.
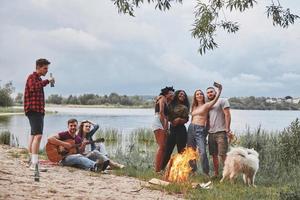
{"points": [[212, 103]]}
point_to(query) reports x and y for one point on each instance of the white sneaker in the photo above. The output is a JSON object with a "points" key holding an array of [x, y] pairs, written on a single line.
{"points": [[41, 169], [122, 166], [104, 172]]}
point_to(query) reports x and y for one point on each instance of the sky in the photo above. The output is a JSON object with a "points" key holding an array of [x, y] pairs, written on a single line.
{"points": [[94, 49]]}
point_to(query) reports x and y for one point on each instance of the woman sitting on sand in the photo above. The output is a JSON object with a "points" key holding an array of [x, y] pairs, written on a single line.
{"points": [[197, 129], [97, 152]]}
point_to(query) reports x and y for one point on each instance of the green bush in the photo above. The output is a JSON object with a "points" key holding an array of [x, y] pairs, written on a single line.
{"points": [[289, 145], [5, 94], [279, 154], [5, 138]]}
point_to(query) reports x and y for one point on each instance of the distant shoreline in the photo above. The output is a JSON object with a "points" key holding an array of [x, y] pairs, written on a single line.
{"points": [[95, 106], [18, 110]]}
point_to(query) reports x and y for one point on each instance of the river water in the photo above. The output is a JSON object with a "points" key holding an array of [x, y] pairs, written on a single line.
{"points": [[126, 120]]}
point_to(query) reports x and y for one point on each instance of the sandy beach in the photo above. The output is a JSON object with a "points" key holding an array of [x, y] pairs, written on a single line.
{"points": [[16, 182]]}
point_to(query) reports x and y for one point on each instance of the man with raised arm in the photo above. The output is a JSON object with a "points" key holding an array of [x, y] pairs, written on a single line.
{"points": [[219, 129]]}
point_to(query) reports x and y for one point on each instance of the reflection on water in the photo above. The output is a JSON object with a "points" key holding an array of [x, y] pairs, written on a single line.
{"points": [[4, 121]]}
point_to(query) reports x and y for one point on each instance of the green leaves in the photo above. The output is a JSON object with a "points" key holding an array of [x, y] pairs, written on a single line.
{"points": [[210, 15], [230, 27], [240, 5], [128, 7], [204, 27], [281, 17]]}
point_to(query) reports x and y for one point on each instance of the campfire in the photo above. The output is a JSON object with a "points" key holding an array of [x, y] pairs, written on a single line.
{"points": [[179, 169]]}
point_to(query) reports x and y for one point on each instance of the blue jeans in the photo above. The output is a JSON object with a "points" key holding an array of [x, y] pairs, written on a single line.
{"points": [[78, 160], [197, 139], [97, 155]]}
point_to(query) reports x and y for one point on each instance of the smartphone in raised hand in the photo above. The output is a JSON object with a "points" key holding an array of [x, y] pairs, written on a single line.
{"points": [[217, 85]]}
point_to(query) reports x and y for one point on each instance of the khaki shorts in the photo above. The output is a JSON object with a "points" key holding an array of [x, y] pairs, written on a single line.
{"points": [[217, 143]]}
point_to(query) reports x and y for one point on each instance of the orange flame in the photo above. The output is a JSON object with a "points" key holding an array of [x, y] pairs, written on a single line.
{"points": [[179, 169]]}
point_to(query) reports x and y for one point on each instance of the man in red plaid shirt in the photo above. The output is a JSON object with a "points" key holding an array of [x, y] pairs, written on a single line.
{"points": [[34, 107]]}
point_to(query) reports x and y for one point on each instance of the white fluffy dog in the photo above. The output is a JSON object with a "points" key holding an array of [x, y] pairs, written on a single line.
{"points": [[241, 160]]}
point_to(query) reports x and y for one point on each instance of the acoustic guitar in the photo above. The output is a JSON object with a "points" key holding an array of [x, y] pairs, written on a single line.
{"points": [[56, 153]]}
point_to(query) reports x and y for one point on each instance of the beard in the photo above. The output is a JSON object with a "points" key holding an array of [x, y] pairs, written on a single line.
{"points": [[211, 98]]}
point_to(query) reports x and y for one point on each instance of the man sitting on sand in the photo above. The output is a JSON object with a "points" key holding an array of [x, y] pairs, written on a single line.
{"points": [[76, 159]]}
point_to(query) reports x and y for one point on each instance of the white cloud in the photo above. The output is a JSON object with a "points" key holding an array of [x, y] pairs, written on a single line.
{"points": [[73, 38], [289, 77], [246, 78], [155, 48]]}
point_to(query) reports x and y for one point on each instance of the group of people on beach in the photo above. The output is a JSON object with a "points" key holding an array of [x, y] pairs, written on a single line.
{"points": [[88, 155], [209, 117]]}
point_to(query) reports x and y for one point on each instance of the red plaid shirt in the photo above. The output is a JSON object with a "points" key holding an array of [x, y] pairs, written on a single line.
{"points": [[34, 99]]}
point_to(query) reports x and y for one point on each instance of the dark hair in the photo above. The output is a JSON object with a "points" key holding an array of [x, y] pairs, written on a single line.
{"points": [[41, 62], [166, 90], [73, 120], [210, 88], [195, 102], [176, 100], [80, 130]]}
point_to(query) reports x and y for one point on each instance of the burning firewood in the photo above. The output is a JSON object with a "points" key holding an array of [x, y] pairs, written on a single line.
{"points": [[179, 169]]}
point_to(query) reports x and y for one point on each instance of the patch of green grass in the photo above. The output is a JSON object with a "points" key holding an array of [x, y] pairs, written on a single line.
{"points": [[233, 191], [142, 135], [143, 174], [5, 137], [111, 135], [14, 154], [11, 110], [42, 154], [278, 176]]}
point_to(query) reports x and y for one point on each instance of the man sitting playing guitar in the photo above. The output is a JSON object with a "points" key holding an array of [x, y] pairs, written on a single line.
{"points": [[73, 145]]}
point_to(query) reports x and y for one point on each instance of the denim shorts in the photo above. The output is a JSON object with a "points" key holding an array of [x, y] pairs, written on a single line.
{"points": [[156, 123]]}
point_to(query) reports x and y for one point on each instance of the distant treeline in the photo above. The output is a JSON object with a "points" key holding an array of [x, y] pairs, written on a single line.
{"points": [[114, 99], [94, 99], [260, 103], [241, 103]]}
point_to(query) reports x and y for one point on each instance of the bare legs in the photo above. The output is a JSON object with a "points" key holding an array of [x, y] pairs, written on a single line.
{"points": [[34, 146], [160, 137], [30, 144]]}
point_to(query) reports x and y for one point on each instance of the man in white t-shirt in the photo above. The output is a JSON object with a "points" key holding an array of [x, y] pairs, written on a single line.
{"points": [[219, 128]]}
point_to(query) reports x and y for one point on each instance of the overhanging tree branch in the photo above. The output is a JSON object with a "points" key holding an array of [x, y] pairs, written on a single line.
{"points": [[207, 20]]}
